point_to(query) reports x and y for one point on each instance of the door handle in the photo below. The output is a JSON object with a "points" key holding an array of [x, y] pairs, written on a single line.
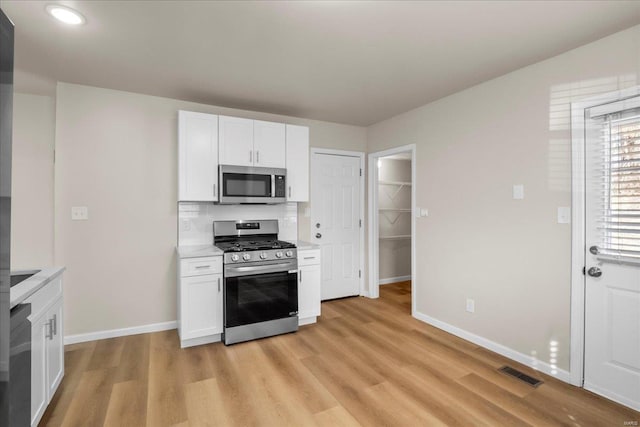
{"points": [[594, 250], [250, 156], [214, 190], [258, 156], [594, 272], [318, 236], [300, 271], [218, 284], [55, 324], [289, 191]]}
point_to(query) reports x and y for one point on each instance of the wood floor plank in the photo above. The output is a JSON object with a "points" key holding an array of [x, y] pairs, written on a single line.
{"points": [[96, 383], [127, 405], [336, 417], [365, 363], [205, 404]]}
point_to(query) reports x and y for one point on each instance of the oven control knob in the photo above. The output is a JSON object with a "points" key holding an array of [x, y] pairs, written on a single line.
{"points": [[235, 257], [263, 255], [246, 257], [278, 254], [289, 253]]}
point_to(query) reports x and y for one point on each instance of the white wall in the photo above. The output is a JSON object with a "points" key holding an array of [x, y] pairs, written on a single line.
{"points": [[509, 255], [116, 152], [32, 181]]}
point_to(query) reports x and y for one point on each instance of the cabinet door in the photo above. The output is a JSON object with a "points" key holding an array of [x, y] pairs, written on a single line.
{"points": [[55, 349], [236, 141], [201, 309], [309, 291], [39, 337], [269, 144], [297, 157], [197, 156]]}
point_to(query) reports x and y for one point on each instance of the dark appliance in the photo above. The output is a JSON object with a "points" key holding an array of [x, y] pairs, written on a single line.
{"points": [[260, 280], [20, 361], [6, 117], [247, 184]]}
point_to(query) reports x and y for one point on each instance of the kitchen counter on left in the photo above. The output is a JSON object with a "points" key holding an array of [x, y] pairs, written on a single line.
{"points": [[195, 251], [28, 287]]}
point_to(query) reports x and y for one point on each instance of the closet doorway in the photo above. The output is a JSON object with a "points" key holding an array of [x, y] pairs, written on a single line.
{"points": [[392, 192]]}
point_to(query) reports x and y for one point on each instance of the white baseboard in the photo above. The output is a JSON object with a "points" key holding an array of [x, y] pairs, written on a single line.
{"points": [[307, 321], [612, 396], [394, 280], [525, 359], [100, 335]]}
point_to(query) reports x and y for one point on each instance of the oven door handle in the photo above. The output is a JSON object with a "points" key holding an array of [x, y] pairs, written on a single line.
{"points": [[258, 269]]}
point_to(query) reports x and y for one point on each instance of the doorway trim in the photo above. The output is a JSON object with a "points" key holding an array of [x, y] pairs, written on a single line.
{"points": [[374, 279], [578, 224], [360, 156]]}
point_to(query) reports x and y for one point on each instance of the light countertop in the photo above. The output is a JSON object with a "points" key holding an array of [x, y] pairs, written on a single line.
{"points": [[303, 245], [26, 288], [196, 251]]}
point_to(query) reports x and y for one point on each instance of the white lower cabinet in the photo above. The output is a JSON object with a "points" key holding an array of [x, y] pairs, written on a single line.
{"points": [[200, 301], [308, 286], [47, 346]]}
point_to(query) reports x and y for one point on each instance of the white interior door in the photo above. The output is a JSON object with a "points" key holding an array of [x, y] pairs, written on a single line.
{"points": [[612, 287], [335, 222]]}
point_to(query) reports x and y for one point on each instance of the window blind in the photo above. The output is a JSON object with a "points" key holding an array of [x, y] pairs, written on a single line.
{"points": [[619, 219]]}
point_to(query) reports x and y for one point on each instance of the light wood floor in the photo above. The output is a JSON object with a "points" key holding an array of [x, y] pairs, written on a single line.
{"points": [[366, 362]]}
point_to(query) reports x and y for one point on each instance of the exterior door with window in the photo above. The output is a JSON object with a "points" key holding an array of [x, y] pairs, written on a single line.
{"points": [[612, 285], [335, 222]]}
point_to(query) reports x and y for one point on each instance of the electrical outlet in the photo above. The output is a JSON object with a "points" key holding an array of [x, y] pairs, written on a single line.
{"points": [[518, 192], [79, 213], [471, 305]]}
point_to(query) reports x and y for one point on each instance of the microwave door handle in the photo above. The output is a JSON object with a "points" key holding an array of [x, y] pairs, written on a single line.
{"points": [[273, 186]]}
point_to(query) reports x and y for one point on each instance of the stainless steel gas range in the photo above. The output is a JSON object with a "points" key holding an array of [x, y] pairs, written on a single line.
{"points": [[260, 280]]}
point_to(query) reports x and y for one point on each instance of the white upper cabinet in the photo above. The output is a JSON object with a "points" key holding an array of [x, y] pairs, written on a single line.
{"points": [[245, 142], [236, 141], [197, 156], [269, 144], [297, 161]]}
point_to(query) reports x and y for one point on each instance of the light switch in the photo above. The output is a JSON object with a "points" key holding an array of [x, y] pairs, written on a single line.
{"points": [[564, 215], [79, 213], [518, 192]]}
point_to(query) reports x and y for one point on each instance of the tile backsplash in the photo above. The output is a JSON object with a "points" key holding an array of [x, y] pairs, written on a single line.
{"points": [[195, 220]]}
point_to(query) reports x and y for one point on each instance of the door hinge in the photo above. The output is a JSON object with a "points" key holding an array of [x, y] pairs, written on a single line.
{"points": [[359, 273], [584, 271]]}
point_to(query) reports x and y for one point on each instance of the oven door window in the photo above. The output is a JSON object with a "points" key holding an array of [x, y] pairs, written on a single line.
{"points": [[259, 298], [246, 185]]}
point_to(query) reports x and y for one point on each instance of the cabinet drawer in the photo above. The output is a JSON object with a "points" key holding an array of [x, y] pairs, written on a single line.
{"points": [[45, 296], [200, 266], [309, 257]]}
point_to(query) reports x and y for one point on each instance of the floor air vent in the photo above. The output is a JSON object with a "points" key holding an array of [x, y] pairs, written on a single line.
{"points": [[520, 375]]}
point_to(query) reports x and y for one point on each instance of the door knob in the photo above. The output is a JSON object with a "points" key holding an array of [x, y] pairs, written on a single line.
{"points": [[318, 235], [594, 272], [317, 225], [594, 250]]}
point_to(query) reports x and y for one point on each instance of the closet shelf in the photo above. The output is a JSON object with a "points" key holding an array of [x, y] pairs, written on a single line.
{"points": [[394, 210], [401, 237], [395, 183]]}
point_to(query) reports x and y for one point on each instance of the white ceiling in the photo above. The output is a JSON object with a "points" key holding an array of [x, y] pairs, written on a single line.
{"points": [[349, 62]]}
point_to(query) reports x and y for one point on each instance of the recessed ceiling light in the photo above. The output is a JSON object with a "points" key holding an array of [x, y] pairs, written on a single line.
{"points": [[65, 14]]}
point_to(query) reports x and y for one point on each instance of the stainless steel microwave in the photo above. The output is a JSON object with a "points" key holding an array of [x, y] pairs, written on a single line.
{"points": [[248, 184]]}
